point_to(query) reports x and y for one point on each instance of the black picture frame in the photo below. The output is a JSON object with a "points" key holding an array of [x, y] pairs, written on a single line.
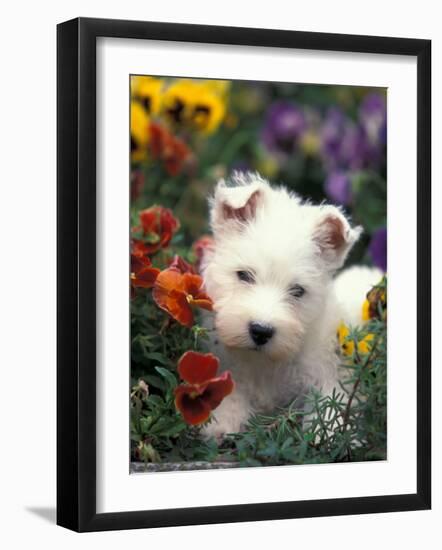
{"points": [[76, 273]]}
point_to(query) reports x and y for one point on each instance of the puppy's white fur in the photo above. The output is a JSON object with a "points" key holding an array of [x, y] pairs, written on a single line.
{"points": [[282, 241]]}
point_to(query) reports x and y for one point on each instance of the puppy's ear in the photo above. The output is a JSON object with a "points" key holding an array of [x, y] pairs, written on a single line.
{"points": [[334, 237], [233, 207]]}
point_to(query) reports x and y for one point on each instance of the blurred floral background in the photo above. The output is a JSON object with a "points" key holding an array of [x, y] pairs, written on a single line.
{"points": [[324, 142]]}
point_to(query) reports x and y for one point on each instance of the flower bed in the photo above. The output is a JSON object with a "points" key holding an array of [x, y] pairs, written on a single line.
{"points": [[324, 142]]}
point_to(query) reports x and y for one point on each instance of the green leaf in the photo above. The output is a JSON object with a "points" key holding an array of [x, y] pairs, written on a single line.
{"points": [[155, 400], [155, 381], [165, 425], [155, 356], [175, 429], [145, 423], [168, 376]]}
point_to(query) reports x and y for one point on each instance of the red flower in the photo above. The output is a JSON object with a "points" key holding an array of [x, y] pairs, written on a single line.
{"points": [[158, 225], [168, 148], [200, 247], [177, 292], [142, 274], [203, 391], [138, 248]]}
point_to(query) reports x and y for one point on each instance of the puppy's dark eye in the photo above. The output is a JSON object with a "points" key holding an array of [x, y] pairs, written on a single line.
{"points": [[245, 276], [297, 291]]}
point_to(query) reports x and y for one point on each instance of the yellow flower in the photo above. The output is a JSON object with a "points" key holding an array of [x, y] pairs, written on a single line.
{"points": [[366, 310], [364, 345], [220, 87], [197, 105], [139, 132], [348, 346], [147, 91]]}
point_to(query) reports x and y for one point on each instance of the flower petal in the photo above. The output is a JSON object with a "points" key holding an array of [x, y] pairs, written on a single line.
{"points": [[217, 389], [179, 264], [158, 225], [366, 310], [175, 303], [138, 261], [175, 292], [203, 302], [192, 284], [138, 248], [197, 368], [189, 403], [150, 218], [180, 309], [145, 278], [168, 280], [169, 295], [364, 346]]}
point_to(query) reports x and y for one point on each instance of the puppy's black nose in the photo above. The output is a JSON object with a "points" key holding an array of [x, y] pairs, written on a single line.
{"points": [[260, 332]]}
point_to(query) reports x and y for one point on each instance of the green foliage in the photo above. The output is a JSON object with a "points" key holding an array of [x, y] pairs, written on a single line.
{"points": [[349, 425], [157, 429]]}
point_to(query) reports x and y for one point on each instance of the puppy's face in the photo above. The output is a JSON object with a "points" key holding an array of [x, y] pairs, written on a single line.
{"points": [[270, 271]]}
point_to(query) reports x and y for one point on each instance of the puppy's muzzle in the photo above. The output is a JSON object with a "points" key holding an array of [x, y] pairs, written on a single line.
{"points": [[260, 333]]}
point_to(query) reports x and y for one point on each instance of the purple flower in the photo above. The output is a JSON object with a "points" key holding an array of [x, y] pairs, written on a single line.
{"points": [[342, 142], [373, 118], [285, 123], [347, 145], [373, 104], [353, 152], [338, 188], [331, 132], [378, 248]]}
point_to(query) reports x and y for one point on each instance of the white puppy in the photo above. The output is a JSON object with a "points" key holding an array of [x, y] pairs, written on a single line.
{"points": [[276, 310]]}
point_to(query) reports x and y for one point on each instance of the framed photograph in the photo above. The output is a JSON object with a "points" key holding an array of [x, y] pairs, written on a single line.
{"points": [[243, 274]]}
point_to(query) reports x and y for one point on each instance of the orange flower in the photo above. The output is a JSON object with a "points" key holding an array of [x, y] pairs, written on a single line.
{"points": [[158, 225], [168, 148], [200, 247], [142, 274], [177, 292], [203, 391]]}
